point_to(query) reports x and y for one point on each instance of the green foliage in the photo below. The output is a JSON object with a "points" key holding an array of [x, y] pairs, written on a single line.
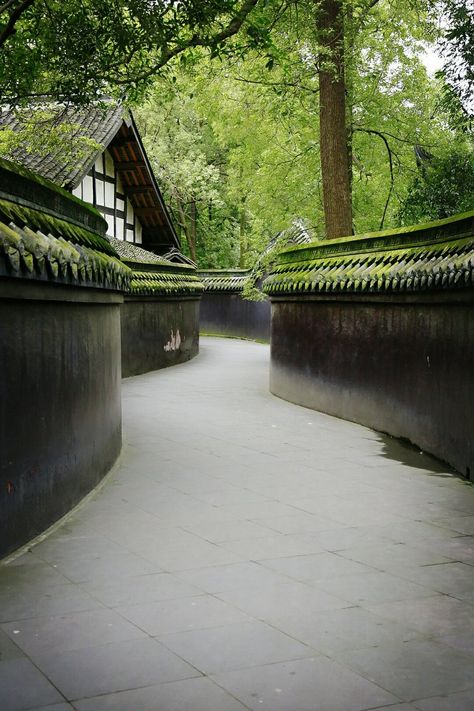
{"points": [[190, 165], [442, 189], [263, 265], [244, 135], [83, 49], [457, 46], [235, 141]]}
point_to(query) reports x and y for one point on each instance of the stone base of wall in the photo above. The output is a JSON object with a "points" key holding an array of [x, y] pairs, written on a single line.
{"points": [[399, 365], [60, 408], [231, 315], [158, 332]]}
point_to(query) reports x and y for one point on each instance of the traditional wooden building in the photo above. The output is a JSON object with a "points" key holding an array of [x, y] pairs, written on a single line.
{"points": [[116, 178]]}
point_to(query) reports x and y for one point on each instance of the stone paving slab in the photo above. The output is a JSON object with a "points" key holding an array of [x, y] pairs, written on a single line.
{"points": [[247, 554]]}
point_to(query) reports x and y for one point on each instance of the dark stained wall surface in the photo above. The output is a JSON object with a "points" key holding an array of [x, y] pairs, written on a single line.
{"points": [[60, 409], [61, 285], [229, 314], [402, 368], [157, 333], [379, 329]]}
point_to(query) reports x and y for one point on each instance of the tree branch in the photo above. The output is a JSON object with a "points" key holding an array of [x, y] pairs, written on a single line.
{"points": [[6, 5], [287, 84], [196, 40], [390, 162], [9, 28], [390, 135]]}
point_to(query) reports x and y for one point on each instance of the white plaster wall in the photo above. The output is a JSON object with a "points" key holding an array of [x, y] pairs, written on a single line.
{"points": [[104, 195]]}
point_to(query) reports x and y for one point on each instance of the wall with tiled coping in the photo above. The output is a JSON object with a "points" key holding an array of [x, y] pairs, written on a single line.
{"points": [[64, 328], [379, 329], [225, 312]]}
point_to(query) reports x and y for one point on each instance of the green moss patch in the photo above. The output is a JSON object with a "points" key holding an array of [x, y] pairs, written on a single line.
{"points": [[436, 256]]}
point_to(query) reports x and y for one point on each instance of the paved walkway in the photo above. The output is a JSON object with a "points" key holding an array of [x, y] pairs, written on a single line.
{"points": [[247, 554]]}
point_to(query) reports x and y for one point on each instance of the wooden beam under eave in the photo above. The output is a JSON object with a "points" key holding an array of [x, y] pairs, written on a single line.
{"points": [[126, 142], [122, 166], [148, 212], [137, 189]]}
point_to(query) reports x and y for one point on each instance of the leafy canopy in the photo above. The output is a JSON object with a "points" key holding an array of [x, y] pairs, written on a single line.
{"points": [[457, 46], [252, 126], [442, 189], [82, 49]]}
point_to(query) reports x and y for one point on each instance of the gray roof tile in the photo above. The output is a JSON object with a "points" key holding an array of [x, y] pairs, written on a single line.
{"points": [[130, 252], [99, 123]]}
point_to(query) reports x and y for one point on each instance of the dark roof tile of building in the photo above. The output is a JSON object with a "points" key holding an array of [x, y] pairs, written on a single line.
{"points": [[98, 124], [130, 252], [89, 132]]}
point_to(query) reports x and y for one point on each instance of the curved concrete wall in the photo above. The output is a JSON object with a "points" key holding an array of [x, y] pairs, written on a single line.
{"points": [[379, 329], [402, 368], [229, 314], [61, 287], [157, 333], [60, 409], [63, 325]]}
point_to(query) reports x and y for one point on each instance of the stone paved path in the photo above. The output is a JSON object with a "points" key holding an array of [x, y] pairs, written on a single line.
{"points": [[247, 554]]}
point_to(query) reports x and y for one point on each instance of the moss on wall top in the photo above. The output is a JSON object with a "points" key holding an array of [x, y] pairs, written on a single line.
{"points": [[171, 282], [434, 256], [224, 280], [37, 243], [154, 275], [18, 184]]}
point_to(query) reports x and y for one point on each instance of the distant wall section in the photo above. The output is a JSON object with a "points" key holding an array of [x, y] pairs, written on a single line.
{"points": [[160, 314], [225, 312]]}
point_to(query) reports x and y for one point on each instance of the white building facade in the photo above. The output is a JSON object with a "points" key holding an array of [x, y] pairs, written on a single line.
{"points": [[103, 188]]}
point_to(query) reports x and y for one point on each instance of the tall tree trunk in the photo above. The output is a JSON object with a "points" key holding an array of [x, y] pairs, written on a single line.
{"points": [[349, 93], [332, 115]]}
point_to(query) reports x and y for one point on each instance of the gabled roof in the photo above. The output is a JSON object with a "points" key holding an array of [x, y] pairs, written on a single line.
{"points": [[175, 255], [114, 128], [141, 187]]}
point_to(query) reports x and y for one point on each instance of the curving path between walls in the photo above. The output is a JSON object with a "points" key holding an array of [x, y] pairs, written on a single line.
{"points": [[246, 553]]}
